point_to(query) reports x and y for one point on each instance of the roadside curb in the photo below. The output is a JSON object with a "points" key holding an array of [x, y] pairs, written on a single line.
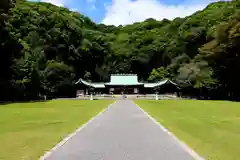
{"points": [[71, 135], [176, 140]]}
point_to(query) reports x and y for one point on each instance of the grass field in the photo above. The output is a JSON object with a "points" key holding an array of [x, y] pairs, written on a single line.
{"points": [[27, 130], [211, 128]]}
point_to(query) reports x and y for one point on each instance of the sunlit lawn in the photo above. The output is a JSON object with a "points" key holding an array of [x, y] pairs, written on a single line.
{"points": [[27, 130], [212, 128]]}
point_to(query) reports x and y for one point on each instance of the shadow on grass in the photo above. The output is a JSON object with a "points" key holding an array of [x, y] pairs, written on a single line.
{"points": [[30, 101]]}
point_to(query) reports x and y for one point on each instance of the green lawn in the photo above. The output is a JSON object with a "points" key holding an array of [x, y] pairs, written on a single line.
{"points": [[27, 130], [211, 128]]}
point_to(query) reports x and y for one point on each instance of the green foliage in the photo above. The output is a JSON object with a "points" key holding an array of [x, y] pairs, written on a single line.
{"points": [[224, 58], [159, 74], [5, 6], [45, 48], [58, 79], [87, 76], [197, 74]]}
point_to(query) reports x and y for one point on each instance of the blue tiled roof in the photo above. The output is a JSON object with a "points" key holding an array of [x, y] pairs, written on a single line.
{"points": [[124, 80]]}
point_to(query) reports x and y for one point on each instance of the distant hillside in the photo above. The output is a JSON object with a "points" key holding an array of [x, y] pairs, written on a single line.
{"points": [[57, 46]]}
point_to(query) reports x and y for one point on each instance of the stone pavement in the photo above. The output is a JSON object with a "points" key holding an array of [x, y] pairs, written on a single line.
{"points": [[122, 132]]}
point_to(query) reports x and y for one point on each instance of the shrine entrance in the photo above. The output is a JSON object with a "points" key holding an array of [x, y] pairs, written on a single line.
{"points": [[124, 90]]}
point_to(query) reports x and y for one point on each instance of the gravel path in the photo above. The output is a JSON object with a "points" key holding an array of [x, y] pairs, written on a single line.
{"points": [[122, 132]]}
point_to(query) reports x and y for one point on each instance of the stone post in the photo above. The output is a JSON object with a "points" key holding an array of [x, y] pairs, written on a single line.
{"points": [[156, 97], [91, 97]]}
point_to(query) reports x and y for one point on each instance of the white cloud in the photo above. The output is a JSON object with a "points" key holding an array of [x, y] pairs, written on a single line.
{"points": [[56, 2], [122, 12]]}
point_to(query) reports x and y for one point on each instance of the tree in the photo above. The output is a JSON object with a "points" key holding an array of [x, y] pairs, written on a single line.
{"points": [[87, 76], [5, 6], [59, 79], [197, 77], [41, 42], [9, 47], [159, 74]]}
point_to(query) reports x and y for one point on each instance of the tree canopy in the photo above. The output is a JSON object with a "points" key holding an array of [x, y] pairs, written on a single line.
{"points": [[45, 49]]}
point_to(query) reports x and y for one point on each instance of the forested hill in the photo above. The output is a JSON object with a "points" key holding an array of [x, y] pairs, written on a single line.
{"points": [[45, 49]]}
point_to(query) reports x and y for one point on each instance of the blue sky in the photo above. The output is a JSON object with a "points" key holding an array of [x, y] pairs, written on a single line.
{"points": [[116, 12]]}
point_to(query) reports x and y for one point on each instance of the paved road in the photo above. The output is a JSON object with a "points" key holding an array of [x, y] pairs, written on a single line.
{"points": [[123, 132]]}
